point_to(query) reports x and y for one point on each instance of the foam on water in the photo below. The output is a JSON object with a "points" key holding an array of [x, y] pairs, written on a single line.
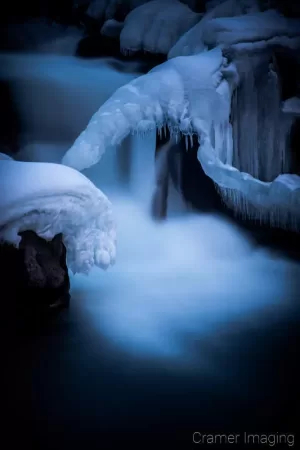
{"points": [[180, 282]]}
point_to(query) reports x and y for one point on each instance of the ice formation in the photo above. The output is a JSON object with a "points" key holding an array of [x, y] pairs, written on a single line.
{"points": [[50, 199], [170, 95], [156, 26], [232, 103]]}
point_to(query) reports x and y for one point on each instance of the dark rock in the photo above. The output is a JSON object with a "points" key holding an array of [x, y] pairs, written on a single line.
{"points": [[197, 188], [34, 279]]}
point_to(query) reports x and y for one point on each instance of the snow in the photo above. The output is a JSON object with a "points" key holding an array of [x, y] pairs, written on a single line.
{"points": [[156, 26], [171, 94], [249, 28], [276, 201], [112, 28], [228, 26], [292, 106], [97, 8], [194, 95], [192, 42], [50, 199]]}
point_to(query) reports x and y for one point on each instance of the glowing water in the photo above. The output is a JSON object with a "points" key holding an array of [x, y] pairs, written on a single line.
{"points": [[174, 283], [179, 282]]}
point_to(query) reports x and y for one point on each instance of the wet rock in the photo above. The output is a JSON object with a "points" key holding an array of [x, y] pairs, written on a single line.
{"points": [[34, 279]]}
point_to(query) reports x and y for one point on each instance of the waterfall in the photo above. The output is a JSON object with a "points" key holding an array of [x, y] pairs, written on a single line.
{"points": [[142, 170]]}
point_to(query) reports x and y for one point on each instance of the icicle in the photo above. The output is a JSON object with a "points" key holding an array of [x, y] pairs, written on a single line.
{"points": [[260, 131], [276, 216], [186, 142]]}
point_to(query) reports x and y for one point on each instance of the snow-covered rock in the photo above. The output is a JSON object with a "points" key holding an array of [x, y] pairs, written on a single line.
{"points": [[50, 199], [192, 42], [251, 30], [112, 28], [156, 26]]}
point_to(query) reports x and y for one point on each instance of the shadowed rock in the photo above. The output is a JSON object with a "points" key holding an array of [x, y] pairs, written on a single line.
{"points": [[34, 279]]}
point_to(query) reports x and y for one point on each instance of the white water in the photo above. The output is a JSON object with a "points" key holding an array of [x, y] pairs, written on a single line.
{"points": [[174, 283]]}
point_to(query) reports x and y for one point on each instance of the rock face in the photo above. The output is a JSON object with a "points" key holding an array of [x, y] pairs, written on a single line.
{"points": [[34, 278]]}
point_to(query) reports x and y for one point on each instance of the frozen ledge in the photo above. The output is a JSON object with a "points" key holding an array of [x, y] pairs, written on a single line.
{"points": [[282, 193], [50, 199]]}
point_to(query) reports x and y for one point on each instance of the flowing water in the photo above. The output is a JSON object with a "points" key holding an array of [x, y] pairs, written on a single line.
{"points": [[175, 282]]}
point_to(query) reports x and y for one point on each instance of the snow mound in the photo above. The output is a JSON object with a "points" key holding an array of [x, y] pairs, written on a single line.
{"points": [[156, 26], [112, 28], [250, 28], [50, 199], [192, 42]]}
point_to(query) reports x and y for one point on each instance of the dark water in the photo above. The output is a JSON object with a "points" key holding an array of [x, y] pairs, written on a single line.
{"points": [[72, 387]]}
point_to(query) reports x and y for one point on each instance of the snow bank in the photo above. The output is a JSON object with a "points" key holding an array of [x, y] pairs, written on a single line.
{"points": [[156, 26], [250, 28], [51, 199], [192, 42]]}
